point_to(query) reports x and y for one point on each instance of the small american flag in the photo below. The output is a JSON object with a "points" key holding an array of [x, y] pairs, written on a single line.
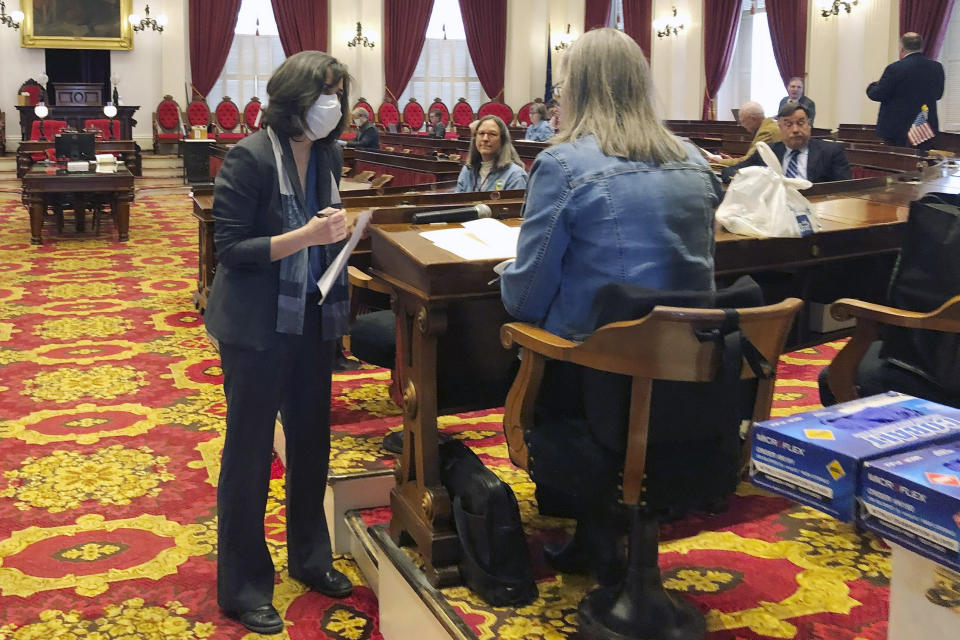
{"points": [[920, 130]]}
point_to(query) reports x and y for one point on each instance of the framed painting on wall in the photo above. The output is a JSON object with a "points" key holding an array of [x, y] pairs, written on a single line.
{"points": [[72, 24]]}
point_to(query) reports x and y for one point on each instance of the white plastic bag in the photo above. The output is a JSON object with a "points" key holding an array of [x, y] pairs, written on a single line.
{"points": [[762, 202]]}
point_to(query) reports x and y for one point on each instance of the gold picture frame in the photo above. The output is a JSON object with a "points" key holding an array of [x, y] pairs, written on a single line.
{"points": [[70, 24]]}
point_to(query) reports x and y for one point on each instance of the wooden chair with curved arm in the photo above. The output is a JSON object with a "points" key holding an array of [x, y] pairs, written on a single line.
{"points": [[841, 377], [670, 343]]}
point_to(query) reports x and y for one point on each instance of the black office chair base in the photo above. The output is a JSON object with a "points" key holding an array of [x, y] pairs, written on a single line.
{"points": [[638, 611]]}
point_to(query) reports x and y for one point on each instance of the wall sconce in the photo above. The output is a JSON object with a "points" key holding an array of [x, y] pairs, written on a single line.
{"points": [[828, 8], [360, 40], [564, 40], [13, 20], [147, 22], [668, 26]]}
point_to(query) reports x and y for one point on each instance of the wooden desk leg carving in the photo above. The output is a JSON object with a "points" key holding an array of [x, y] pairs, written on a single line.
{"points": [[80, 211], [124, 198], [37, 204], [420, 504]]}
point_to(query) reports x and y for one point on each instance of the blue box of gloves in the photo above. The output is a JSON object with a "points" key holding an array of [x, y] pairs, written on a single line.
{"points": [[913, 499], [815, 457]]}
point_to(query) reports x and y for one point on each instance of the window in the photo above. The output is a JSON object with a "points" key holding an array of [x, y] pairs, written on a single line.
{"points": [[615, 19], [753, 73], [948, 109], [444, 69], [252, 58]]}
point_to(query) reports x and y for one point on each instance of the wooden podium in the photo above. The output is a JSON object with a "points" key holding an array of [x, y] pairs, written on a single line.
{"points": [[449, 359]]}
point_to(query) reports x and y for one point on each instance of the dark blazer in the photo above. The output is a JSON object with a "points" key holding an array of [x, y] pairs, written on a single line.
{"points": [[905, 86], [805, 102], [438, 131], [242, 307], [826, 161], [367, 137]]}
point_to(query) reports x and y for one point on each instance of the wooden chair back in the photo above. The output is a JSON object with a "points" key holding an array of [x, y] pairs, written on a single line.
{"points": [[842, 374], [661, 346]]}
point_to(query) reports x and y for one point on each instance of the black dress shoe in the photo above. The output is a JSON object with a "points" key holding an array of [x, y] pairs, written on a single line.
{"points": [[332, 583], [263, 619]]}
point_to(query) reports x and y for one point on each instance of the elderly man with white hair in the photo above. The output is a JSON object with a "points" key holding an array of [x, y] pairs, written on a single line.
{"points": [[763, 129]]}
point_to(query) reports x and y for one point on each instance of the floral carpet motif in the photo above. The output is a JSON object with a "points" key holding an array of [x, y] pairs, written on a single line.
{"points": [[111, 427]]}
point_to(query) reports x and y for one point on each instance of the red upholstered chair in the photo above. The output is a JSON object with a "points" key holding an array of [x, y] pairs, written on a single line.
{"points": [[32, 87], [50, 129], [363, 104], [523, 114], [498, 109], [388, 114], [102, 125], [438, 105], [251, 115], [226, 118], [413, 116], [462, 113], [198, 113], [167, 124]]}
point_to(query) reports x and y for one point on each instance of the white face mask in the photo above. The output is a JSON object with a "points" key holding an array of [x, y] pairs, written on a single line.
{"points": [[322, 117]]}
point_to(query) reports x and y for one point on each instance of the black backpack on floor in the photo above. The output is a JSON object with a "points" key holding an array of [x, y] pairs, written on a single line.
{"points": [[495, 562]]}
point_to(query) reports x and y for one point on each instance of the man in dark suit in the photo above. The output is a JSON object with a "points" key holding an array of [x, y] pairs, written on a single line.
{"points": [[800, 155], [905, 86]]}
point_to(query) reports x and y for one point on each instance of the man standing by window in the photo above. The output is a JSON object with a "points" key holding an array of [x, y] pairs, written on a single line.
{"points": [[904, 88], [795, 95]]}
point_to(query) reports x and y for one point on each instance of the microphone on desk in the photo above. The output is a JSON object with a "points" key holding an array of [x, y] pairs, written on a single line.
{"points": [[459, 214]]}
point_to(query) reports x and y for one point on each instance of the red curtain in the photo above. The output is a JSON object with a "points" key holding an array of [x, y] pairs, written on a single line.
{"points": [[929, 18], [637, 21], [721, 20], [302, 25], [211, 34], [788, 32], [595, 14], [485, 23], [405, 30]]}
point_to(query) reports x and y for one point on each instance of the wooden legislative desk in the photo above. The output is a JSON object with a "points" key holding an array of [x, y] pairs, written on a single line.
{"points": [[407, 169], [46, 186], [207, 252], [450, 314], [128, 150]]}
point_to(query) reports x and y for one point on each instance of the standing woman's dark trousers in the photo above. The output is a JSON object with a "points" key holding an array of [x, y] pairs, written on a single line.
{"points": [[294, 378]]}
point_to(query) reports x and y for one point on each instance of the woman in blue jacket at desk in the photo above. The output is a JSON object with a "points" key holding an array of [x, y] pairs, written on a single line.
{"points": [[493, 164], [616, 199], [539, 129]]}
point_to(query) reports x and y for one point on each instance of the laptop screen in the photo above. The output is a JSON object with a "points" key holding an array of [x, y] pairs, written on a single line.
{"points": [[75, 146]]}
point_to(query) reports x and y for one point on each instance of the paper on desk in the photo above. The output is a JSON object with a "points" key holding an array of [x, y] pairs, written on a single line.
{"points": [[340, 262], [106, 158], [483, 239]]}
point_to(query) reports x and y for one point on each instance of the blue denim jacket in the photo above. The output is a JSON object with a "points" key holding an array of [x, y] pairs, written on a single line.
{"points": [[511, 176], [540, 132], [591, 219]]}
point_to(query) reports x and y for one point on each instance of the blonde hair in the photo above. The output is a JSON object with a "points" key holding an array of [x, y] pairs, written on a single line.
{"points": [[607, 93], [506, 155]]}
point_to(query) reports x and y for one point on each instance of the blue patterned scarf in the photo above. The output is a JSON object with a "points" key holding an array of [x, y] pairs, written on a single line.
{"points": [[292, 296]]}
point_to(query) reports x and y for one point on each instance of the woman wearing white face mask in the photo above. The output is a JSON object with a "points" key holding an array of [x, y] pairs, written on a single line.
{"points": [[278, 226]]}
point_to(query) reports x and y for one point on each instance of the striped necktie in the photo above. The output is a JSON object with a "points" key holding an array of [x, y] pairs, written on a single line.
{"points": [[792, 169]]}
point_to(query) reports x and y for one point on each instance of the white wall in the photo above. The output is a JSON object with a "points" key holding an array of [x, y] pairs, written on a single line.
{"points": [[677, 61], [845, 53], [365, 64]]}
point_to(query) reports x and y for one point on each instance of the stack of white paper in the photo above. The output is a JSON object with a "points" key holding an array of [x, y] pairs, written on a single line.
{"points": [[106, 158], [483, 239]]}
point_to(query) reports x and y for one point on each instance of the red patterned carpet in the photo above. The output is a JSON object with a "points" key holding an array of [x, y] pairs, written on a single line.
{"points": [[111, 422]]}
